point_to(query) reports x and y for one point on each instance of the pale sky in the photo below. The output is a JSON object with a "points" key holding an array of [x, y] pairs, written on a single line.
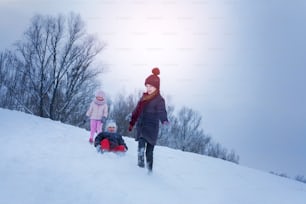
{"points": [[240, 64]]}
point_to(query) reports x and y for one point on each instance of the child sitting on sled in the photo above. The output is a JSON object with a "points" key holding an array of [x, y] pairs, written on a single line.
{"points": [[110, 140]]}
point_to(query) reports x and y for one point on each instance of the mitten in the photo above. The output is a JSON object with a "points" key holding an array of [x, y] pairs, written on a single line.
{"points": [[86, 120], [103, 119]]}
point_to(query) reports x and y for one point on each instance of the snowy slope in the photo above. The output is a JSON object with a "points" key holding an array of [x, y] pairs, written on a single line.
{"points": [[43, 161]]}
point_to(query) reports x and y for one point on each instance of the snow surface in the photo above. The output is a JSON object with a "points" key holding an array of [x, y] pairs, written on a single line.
{"points": [[43, 161]]}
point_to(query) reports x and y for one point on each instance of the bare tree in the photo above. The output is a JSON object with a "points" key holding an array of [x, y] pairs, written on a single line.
{"points": [[121, 109], [185, 133], [10, 82], [187, 125], [3, 72], [54, 66]]}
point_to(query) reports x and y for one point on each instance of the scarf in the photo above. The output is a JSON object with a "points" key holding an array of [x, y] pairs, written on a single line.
{"points": [[96, 101], [146, 98]]}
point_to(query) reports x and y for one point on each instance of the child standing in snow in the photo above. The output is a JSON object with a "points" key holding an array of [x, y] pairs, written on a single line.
{"points": [[149, 111], [97, 112], [110, 140]]}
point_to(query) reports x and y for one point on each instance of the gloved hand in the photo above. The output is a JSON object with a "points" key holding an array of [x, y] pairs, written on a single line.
{"points": [[126, 148], [166, 122], [130, 128], [103, 119], [86, 120]]}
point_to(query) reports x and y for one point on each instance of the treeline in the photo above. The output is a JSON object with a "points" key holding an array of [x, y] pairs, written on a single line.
{"points": [[299, 178], [52, 72]]}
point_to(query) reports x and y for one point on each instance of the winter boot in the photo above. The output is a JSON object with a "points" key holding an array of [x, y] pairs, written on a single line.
{"points": [[149, 167], [149, 158], [90, 140], [141, 157], [98, 148]]}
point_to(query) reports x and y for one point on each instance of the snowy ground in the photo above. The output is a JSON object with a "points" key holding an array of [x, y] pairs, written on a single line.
{"points": [[44, 161]]}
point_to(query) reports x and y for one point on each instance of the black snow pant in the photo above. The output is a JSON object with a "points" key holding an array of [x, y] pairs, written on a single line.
{"points": [[144, 146]]}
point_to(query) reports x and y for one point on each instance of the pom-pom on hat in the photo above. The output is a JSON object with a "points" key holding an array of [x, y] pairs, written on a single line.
{"points": [[153, 79]]}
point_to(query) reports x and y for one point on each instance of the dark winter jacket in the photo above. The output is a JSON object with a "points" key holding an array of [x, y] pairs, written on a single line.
{"points": [[148, 114], [114, 139]]}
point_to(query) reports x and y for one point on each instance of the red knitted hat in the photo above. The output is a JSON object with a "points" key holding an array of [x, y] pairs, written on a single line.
{"points": [[153, 79]]}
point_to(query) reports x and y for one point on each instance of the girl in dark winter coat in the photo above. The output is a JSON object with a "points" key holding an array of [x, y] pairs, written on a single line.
{"points": [[149, 111], [110, 140]]}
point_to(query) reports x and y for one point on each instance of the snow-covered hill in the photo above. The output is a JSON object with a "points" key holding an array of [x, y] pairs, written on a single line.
{"points": [[43, 161]]}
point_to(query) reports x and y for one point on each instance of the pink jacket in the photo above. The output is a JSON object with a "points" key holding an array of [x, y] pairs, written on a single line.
{"points": [[97, 111]]}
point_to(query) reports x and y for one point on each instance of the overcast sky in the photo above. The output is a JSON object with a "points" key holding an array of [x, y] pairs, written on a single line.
{"points": [[240, 64]]}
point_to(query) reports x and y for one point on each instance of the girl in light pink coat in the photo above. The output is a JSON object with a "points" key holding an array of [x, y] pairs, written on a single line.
{"points": [[97, 112]]}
